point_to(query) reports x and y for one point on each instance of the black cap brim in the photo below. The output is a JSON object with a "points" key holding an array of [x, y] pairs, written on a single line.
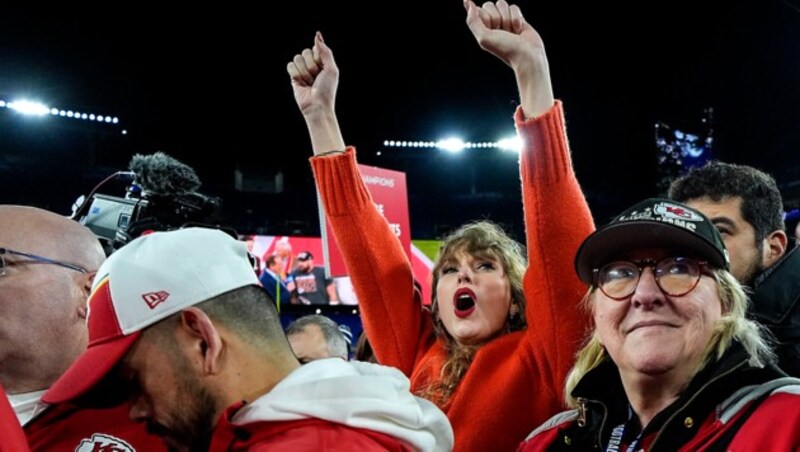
{"points": [[619, 238]]}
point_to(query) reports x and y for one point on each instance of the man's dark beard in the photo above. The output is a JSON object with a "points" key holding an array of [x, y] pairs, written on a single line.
{"points": [[192, 425], [753, 270], [752, 274]]}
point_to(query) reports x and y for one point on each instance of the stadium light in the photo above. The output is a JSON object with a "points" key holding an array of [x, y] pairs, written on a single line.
{"points": [[30, 108], [451, 144], [510, 144], [455, 145]]}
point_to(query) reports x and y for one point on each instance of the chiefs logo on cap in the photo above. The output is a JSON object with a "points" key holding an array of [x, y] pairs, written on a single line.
{"points": [[677, 212]]}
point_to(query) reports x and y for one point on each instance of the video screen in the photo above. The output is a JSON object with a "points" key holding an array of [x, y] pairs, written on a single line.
{"points": [[292, 270]]}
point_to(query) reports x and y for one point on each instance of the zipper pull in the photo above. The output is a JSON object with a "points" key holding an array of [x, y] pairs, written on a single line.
{"points": [[581, 412]]}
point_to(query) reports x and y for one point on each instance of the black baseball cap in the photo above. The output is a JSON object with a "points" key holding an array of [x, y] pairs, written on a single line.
{"points": [[304, 256], [655, 222]]}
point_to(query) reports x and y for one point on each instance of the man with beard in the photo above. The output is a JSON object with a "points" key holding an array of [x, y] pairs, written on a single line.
{"points": [[746, 207], [311, 284], [180, 321]]}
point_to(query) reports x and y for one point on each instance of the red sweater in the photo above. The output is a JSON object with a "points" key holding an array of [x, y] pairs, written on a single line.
{"points": [[515, 381]]}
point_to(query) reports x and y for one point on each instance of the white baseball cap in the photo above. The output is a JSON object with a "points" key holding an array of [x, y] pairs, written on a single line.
{"points": [[144, 282]]}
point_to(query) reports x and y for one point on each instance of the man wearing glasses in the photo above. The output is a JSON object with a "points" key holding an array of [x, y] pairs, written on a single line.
{"points": [[47, 264]]}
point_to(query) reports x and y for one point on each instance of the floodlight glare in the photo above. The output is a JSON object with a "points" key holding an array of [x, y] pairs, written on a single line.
{"points": [[29, 108], [510, 144], [451, 144]]}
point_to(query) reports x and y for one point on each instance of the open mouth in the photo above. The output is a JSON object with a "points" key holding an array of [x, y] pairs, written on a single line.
{"points": [[464, 302]]}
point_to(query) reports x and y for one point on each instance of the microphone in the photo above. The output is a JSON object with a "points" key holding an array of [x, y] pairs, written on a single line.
{"points": [[162, 197], [161, 175], [167, 187]]}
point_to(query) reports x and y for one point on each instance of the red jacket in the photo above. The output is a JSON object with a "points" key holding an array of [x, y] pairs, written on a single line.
{"points": [[515, 382], [12, 439], [67, 428], [301, 435], [333, 405], [727, 406]]}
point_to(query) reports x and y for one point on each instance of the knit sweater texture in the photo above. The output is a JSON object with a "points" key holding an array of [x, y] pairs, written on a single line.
{"points": [[515, 381]]}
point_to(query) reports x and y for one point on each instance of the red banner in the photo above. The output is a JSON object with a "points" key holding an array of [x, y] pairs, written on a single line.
{"points": [[388, 190]]}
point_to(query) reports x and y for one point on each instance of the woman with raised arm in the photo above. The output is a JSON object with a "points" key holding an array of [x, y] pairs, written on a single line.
{"points": [[473, 355]]}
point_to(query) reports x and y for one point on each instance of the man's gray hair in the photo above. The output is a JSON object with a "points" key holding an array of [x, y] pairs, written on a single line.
{"points": [[334, 338]]}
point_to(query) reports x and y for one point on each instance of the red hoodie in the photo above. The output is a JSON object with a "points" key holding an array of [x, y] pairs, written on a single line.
{"points": [[334, 405]]}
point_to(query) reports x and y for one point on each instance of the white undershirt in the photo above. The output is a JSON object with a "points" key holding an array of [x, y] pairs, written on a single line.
{"points": [[25, 405]]}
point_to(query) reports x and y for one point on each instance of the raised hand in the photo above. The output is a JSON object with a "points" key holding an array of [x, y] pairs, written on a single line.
{"points": [[315, 78], [501, 30]]}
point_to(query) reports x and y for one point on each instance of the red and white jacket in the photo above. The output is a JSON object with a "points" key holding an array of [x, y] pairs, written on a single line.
{"points": [[334, 405], [730, 406], [67, 427], [12, 439]]}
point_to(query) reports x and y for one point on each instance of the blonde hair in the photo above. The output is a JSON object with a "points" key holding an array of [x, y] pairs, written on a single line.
{"points": [[480, 238], [733, 324]]}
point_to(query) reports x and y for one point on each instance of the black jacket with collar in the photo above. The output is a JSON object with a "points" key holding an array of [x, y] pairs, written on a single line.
{"points": [[776, 305], [604, 405]]}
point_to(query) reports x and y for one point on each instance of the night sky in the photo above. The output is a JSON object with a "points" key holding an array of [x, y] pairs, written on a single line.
{"points": [[194, 81]]}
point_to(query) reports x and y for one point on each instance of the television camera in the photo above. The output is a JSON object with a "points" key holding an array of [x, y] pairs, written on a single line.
{"points": [[161, 197]]}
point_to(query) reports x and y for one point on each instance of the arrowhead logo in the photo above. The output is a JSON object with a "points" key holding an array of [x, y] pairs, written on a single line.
{"points": [[100, 442]]}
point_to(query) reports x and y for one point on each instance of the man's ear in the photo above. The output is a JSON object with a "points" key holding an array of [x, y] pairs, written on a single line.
{"points": [[85, 287], [204, 338], [774, 247]]}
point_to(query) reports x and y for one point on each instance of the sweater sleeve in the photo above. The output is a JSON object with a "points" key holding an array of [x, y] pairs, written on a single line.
{"points": [[397, 327], [557, 219]]}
